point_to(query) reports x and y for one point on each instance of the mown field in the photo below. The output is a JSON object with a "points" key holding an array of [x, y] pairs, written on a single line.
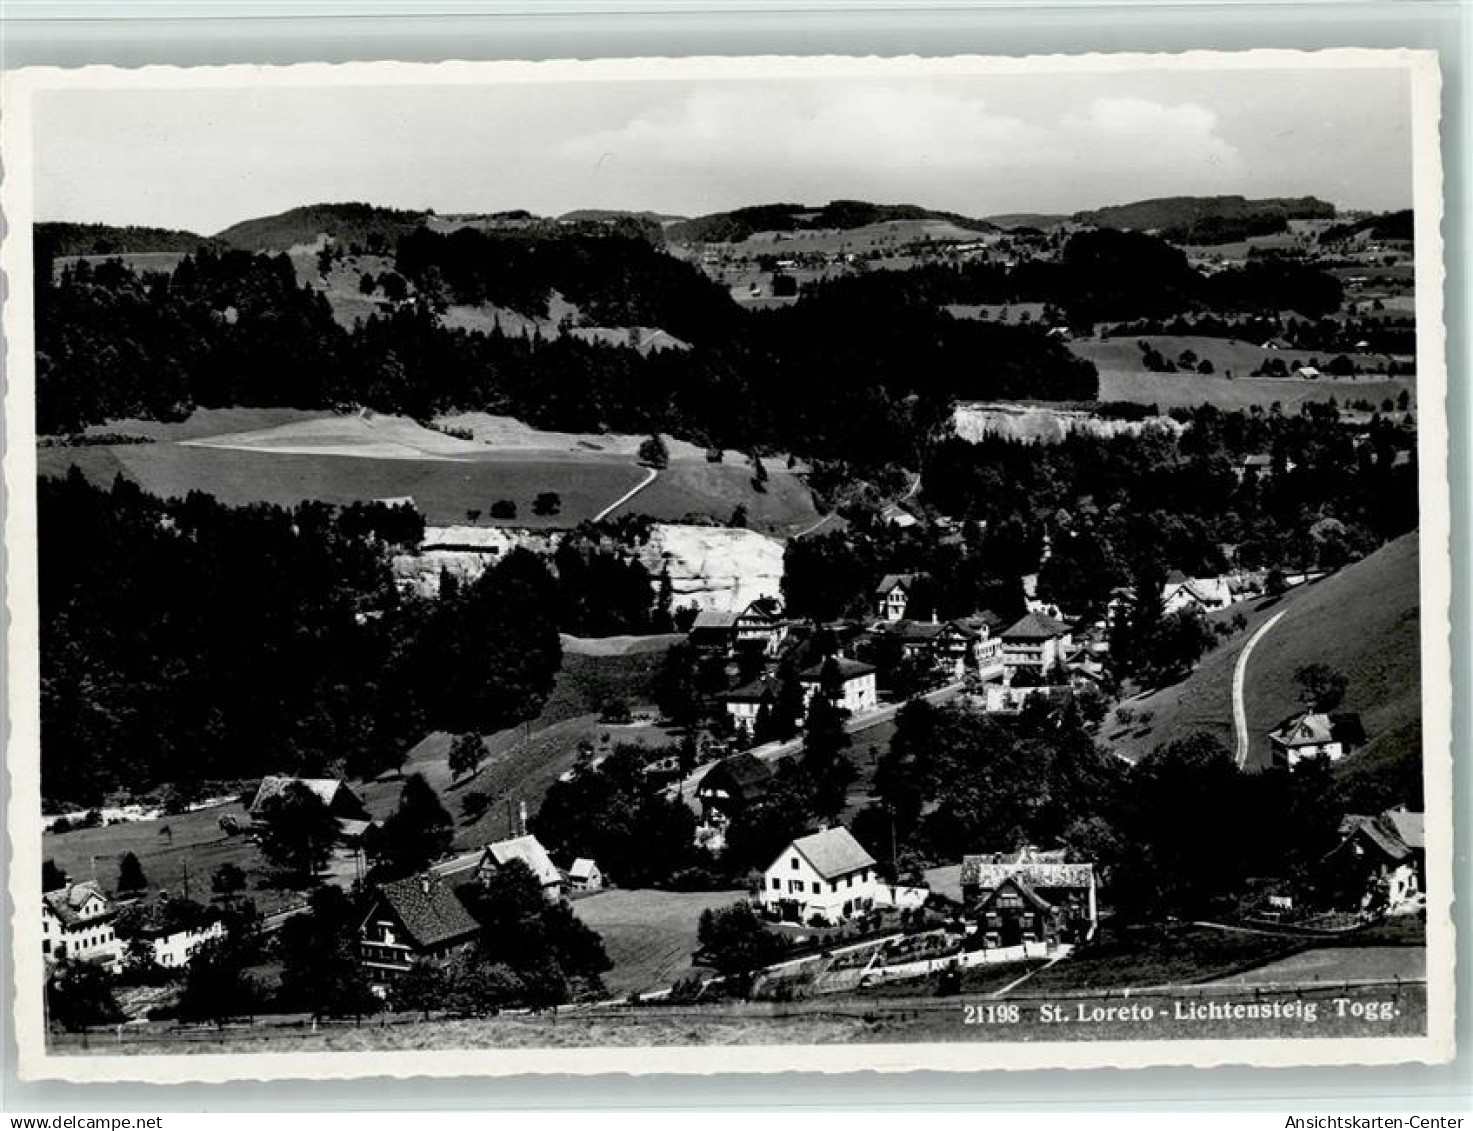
{"points": [[717, 489], [649, 935], [1123, 376], [445, 490]]}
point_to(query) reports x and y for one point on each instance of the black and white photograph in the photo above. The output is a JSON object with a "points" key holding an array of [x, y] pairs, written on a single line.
{"points": [[734, 564]]}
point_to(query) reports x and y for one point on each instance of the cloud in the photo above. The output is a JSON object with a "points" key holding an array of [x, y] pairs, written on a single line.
{"points": [[912, 142]]}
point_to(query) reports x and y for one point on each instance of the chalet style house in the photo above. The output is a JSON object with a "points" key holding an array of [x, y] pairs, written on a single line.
{"points": [[892, 595], [1382, 859], [954, 648], [528, 849], [416, 918], [77, 923], [826, 875], [743, 703], [1035, 644], [713, 631], [1315, 735], [761, 626], [585, 875], [730, 786], [1029, 896], [1200, 593], [854, 687]]}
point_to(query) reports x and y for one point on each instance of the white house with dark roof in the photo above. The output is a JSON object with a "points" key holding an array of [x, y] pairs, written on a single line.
{"points": [[1314, 735], [826, 873], [854, 690], [77, 923], [892, 595], [420, 917]]}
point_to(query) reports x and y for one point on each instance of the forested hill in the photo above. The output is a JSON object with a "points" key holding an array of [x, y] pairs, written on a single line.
{"points": [[60, 238], [365, 224], [1208, 219], [738, 224], [1390, 226]]}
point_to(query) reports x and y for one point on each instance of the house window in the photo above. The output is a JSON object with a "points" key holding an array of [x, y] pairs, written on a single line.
{"points": [[795, 887], [817, 887], [777, 883], [849, 882], [795, 861], [833, 887]]}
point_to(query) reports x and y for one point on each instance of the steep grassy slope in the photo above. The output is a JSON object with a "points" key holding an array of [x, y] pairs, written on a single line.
{"points": [[1363, 621]]}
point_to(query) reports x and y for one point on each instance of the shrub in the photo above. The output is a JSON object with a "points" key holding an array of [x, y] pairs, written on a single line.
{"points": [[503, 508]]}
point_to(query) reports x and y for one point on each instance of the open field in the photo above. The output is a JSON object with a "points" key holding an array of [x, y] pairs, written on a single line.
{"points": [[649, 935], [507, 433], [139, 261], [848, 1020], [1123, 377], [717, 489], [1363, 621], [1161, 956], [1337, 964], [179, 860], [443, 489]]}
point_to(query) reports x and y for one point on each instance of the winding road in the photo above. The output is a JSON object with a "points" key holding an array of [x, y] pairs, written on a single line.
{"points": [[1240, 710]]}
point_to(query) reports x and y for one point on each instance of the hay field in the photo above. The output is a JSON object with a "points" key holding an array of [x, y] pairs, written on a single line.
{"points": [[715, 490], [649, 935]]}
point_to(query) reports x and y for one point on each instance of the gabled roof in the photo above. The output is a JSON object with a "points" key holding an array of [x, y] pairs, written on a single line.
{"points": [[1036, 626], [326, 789], [67, 903], [1049, 870], [428, 909], [893, 580], [528, 849], [1022, 887], [754, 691], [913, 630], [713, 619], [1314, 729], [832, 852], [745, 772], [848, 669], [764, 608], [1409, 826], [582, 868]]}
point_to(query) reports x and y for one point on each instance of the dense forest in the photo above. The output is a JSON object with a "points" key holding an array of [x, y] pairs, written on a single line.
{"points": [[327, 666], [740, 223], [861, 374]]}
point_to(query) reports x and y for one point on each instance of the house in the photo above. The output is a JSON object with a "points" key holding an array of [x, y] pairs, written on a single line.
{"points": [[77, 923], [826, 875], [761, 625], [1201, 593], [892, 595], [854, 684], [176, 939], [713, 630], [528, 849], [585, 875], [342, 802], [730, 786], [1035, 643], [1030, 896], [420, 917], [1315, 734], [743, 703], [986, 643], [1383, 857], [1260, 464]]}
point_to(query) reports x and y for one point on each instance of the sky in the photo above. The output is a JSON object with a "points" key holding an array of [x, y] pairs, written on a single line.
{"points": [[979, 144]]}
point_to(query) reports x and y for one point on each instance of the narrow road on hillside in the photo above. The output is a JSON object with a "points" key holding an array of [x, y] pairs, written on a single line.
{"points": [[1240, 709], [651, 474]]}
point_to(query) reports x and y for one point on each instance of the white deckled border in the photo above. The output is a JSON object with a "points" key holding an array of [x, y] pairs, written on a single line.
{"points": [[17, 91]]}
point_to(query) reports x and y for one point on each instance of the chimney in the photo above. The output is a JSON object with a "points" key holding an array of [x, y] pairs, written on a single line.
{"points": [[521, 818]]}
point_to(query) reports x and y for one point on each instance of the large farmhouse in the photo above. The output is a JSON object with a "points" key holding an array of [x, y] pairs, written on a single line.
{"points": [[826, 875], [730, 786], [416, 918]]}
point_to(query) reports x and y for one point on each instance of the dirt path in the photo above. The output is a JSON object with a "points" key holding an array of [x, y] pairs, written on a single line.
{"points": [[651, 474], [1240, 710]]}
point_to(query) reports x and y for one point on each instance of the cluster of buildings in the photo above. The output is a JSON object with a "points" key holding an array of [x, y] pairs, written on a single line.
{"points": [[79, 922]]}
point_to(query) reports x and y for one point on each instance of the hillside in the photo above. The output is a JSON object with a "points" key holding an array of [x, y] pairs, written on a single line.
{"points": [[740, 223], [1008, 221], [1207, 219], [1391, 226], [67, 239], [1363, 621], [350, 223]]}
